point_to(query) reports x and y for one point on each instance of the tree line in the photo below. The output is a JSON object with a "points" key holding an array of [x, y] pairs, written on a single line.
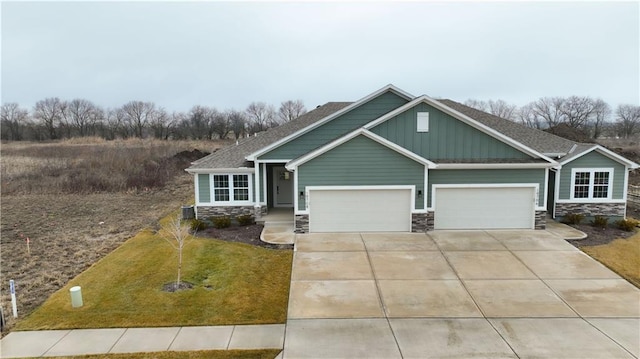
{"points": [[593, 116], [53, 118]]}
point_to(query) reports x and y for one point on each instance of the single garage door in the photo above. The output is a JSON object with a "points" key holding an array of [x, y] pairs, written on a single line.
{"points": [[484, 208], [360, 210]]}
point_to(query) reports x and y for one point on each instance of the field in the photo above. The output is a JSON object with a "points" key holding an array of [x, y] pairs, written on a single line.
{"points": [[76, 201]]}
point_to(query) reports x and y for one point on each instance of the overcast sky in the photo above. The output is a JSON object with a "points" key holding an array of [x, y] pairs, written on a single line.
{"points": [[227, 55]]}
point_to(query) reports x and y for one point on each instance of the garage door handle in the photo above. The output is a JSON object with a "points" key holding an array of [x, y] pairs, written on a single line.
{"points": [[277, 189]]}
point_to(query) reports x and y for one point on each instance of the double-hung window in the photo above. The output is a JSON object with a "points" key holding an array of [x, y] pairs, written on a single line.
{"points": [[231, 188], [591, 183]]}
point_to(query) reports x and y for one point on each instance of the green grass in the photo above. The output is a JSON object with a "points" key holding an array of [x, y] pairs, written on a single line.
{"points": [[203, 354], [621, 256], [234, 283]]}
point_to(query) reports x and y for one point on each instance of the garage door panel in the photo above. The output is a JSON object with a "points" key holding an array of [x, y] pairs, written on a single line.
{"points": [[360, 210], [484, 208]]}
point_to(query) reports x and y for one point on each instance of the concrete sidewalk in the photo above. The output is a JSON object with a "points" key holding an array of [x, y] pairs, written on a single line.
{"points": [[134, 340]]}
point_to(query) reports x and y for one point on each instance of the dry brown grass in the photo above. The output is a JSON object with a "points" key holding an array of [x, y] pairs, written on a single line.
{"points": [[622, 256], [70, 231]]}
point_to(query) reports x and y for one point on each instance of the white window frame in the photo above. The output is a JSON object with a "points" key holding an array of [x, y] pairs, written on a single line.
{"points": [[592, 172], [422, 121], [231, 201]]}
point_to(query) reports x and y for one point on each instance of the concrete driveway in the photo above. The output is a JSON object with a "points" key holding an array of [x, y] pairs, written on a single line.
{"points": [[456, 294]]}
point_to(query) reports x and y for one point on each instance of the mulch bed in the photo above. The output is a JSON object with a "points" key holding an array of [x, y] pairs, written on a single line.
{"points": [[597, 236], [242, 234]]}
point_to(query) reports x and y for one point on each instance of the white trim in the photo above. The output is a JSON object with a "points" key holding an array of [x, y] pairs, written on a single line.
{"points": [[555, 154], [229, 203], [273, 161], [556, 191], [411, 188], [464, 118], [546, 188], [425, 188], [536, 186], [591, 171], [239, 170], [452, 166], [295, 191], [196, 187], [256, 179], [264, 185], [293, 165], [330, 117], [625, 186], [607, 153], [591, 201]]}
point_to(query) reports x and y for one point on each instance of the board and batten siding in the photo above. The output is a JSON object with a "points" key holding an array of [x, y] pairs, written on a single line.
{"points": [[361, 162], [592, 160], [337, 127], [448, 138], [488, 176], [204, 188]]}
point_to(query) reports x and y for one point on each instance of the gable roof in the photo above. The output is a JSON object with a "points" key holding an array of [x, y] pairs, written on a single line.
{"points": [[464, 118], [351, 106], [582, 149], [543, 142], [292, 165], [233, 156]]}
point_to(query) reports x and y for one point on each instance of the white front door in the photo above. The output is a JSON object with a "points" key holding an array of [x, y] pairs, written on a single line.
{"points": [[282, 187]]}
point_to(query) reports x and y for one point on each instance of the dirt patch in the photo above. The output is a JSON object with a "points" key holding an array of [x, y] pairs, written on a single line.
{"points": [[242, 234], [597, 236], [173, 287]]}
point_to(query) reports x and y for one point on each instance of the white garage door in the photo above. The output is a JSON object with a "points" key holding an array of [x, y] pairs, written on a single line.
{"points": [[484, 208], [360, 210]]}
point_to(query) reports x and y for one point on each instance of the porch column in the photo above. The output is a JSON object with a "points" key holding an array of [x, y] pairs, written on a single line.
{"points": [[256, 185]]}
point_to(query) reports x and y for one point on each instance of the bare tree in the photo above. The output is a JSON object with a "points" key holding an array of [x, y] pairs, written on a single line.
{"points": [[220, 125], [82, 115], [601, 114], [526, 116], [137, 115], [161, 124], [290, 110], [261, 116], [50, 112], [176, 233], [502, 109], [199, 122], [549, 110], [577, 110], [13, 120], [237, 123], [477, 104], [627, 120]]}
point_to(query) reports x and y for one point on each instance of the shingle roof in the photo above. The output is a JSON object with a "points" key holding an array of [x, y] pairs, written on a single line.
{"points": [[538, 140], [233, 156]]}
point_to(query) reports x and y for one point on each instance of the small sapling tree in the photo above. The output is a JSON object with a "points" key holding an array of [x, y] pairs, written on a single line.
{"points": [[176, 233]]}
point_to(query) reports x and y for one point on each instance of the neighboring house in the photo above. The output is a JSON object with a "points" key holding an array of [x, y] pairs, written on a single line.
{"points": [[395, 162]]}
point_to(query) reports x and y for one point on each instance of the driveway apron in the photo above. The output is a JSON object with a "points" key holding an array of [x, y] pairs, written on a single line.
{"points": [[456, 294]]}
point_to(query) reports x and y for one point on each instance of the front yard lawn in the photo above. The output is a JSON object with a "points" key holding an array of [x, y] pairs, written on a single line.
{"points": [[233, 283], [622, 256]]}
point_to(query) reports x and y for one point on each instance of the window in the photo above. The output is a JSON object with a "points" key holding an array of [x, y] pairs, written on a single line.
{"points": [[589, 184], [231, 188], [423, 121]]}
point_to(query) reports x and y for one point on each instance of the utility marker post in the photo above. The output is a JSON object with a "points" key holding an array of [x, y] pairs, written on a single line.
{"points": [[14, 305]]}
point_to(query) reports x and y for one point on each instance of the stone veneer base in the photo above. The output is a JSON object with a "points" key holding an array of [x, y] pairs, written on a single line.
{"points": [[591, 209]]}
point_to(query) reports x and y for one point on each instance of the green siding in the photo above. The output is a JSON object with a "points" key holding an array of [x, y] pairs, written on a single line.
{"points": [[448, 138], [592, 160], [361, 161], [337, 127], [204, 188], [488, 177]]}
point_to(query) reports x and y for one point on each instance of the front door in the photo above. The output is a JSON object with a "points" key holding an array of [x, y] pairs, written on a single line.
{"points": [[282, 187]]}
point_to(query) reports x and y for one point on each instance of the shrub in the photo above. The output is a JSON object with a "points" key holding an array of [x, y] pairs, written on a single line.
{"points": [[627, 224], [221, 221], [573, 218], [198, 225], [245, 219], [600, 222]]}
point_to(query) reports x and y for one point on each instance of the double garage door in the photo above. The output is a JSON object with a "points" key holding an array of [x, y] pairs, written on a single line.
{"points": [[389, 210]]}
